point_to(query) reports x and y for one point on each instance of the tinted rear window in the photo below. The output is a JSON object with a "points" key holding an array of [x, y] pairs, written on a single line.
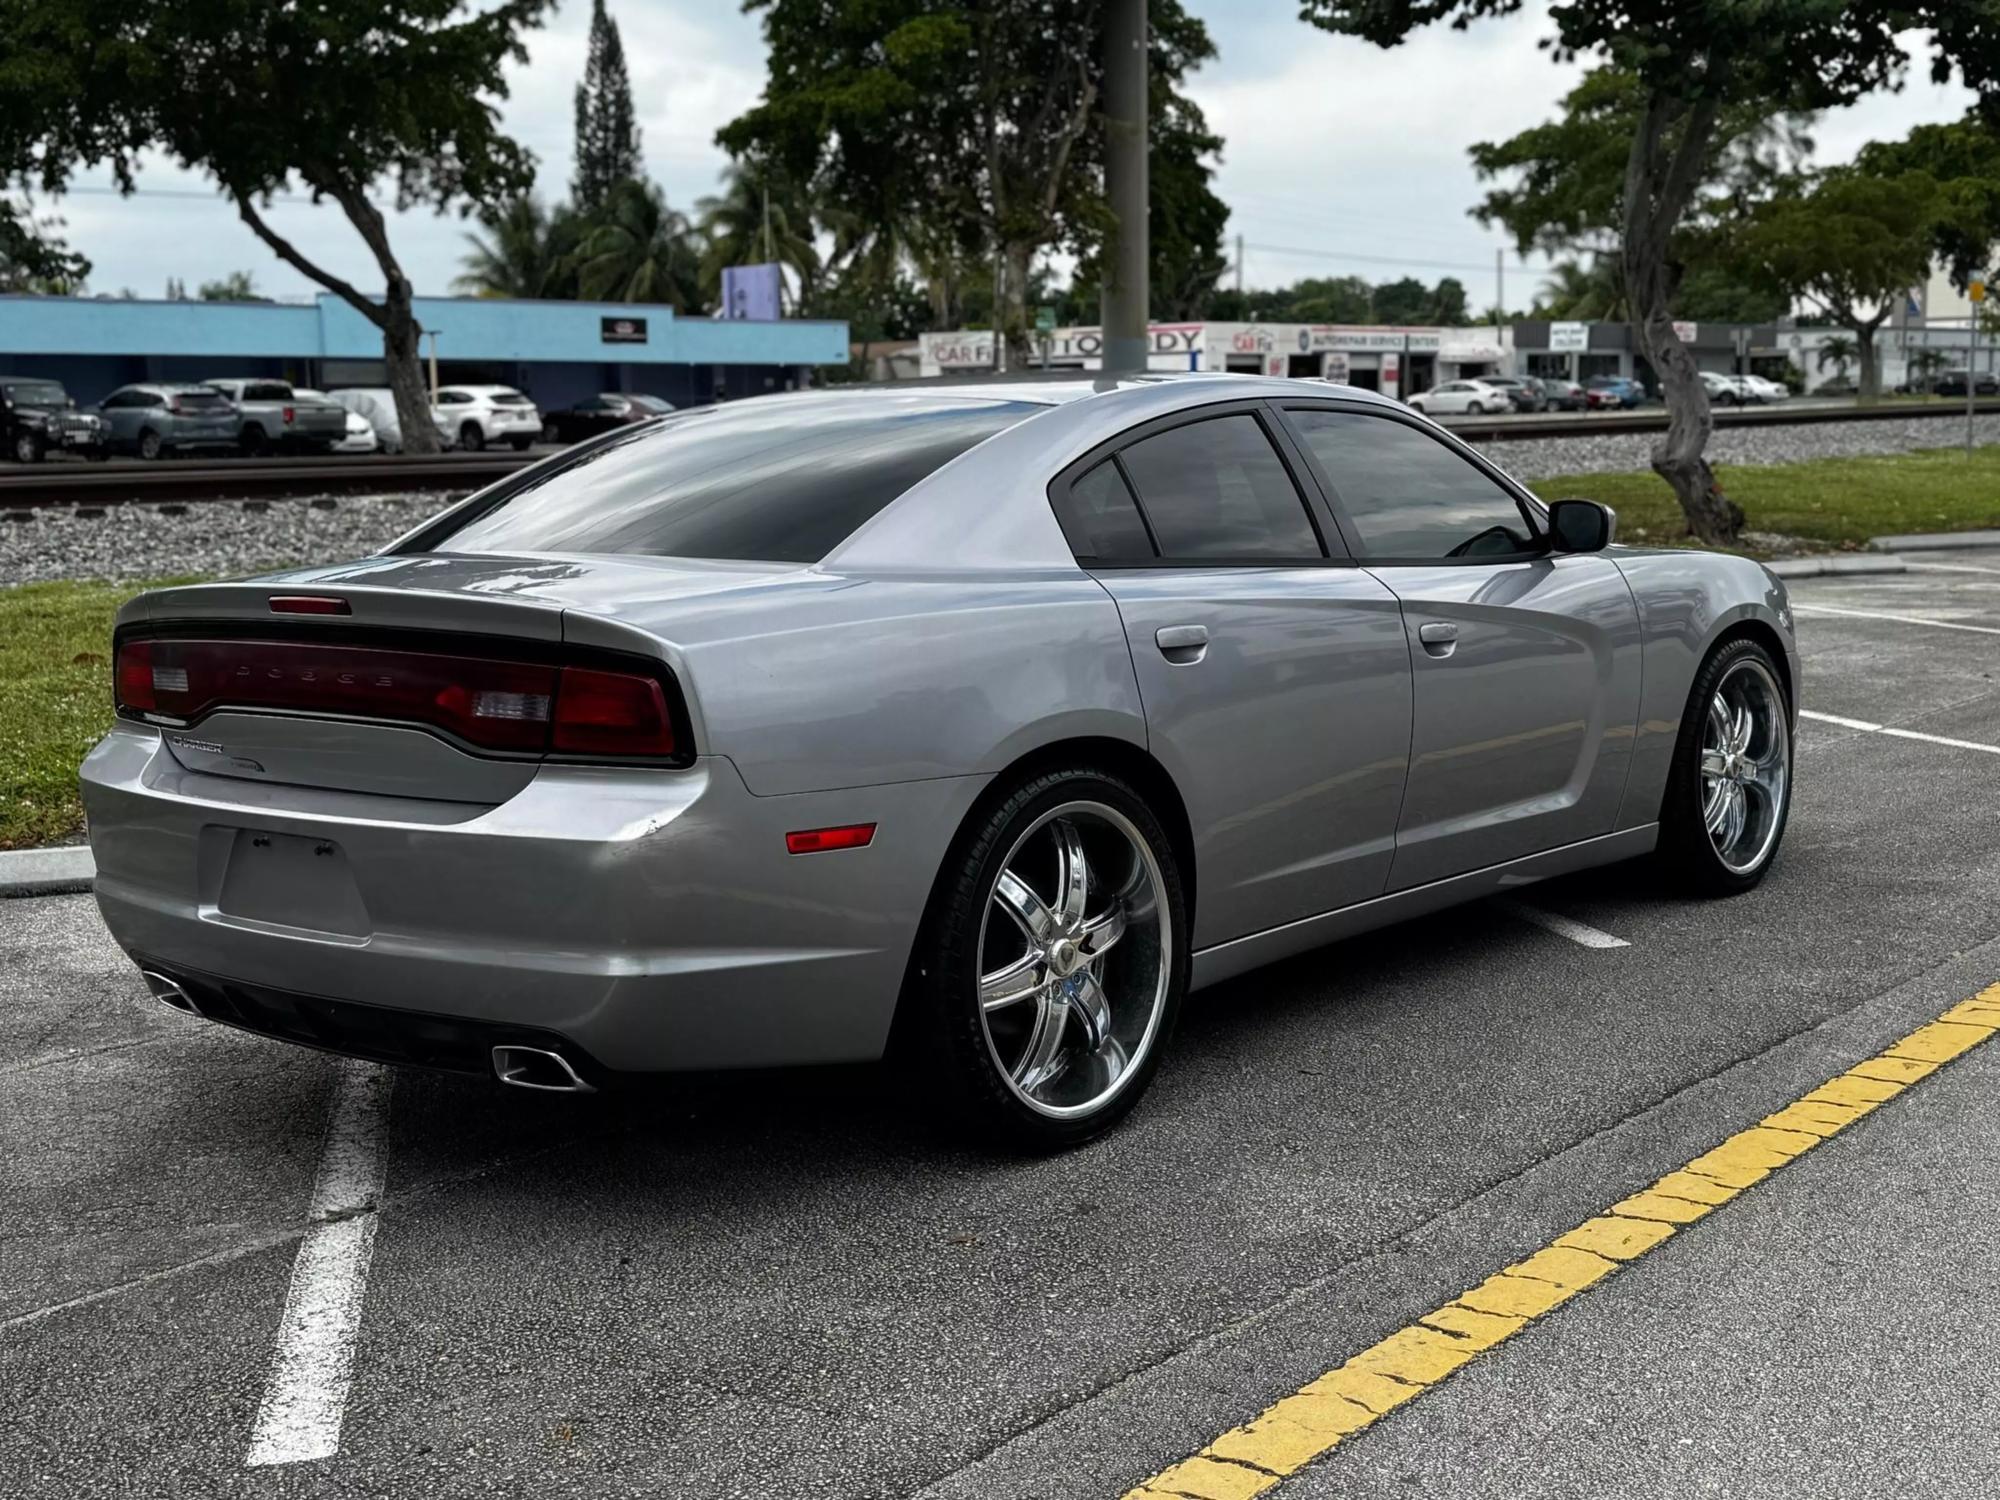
{"points": [[783, 480], [200, 396], [510, 398]]}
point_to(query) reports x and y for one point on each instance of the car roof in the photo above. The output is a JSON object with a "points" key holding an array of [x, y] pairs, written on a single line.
{"points": [[482, 390]]}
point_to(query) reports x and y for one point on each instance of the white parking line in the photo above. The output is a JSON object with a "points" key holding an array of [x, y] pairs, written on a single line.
{"points": [[1902, 734], [305, 1398], [1871, 614], [1548, 921]]}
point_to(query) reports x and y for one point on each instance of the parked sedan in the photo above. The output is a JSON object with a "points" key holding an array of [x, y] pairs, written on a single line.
{"points": [[1953, 383], [154, 420], [603, 413], [1469, 398], [993, 717], [1724, 390], [1613, 393], [1561, 394], [482, 414], [1761, 388], [360, 432], [1526, 395]]}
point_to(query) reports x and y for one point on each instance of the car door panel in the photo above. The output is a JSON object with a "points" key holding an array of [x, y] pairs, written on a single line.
{"points": [[1288, 735], [1526, 698]]}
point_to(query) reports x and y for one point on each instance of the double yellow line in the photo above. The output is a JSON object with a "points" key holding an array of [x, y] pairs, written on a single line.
{"points": [[1248, 1460]]}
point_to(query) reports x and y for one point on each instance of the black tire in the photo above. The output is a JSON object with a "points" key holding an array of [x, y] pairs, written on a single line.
{"points": [[949, 1043], [254, 442], [151, 447], [26, 448], [472, 438], [520, 444], [1687, 853]]}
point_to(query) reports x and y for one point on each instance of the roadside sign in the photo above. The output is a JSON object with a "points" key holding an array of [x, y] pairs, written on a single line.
{"points": [[1045, 320], [1977, 291]]}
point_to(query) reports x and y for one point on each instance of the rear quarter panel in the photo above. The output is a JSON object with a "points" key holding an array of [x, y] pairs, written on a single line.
{"points": [[1689, 600]]}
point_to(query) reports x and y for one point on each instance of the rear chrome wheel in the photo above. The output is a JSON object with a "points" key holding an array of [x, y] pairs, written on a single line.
{"points": [[1730, 790], [1074, 959], [1053, 958]]}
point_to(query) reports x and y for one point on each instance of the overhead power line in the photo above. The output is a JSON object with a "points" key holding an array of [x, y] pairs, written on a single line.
{"points": [[1329, 253]]}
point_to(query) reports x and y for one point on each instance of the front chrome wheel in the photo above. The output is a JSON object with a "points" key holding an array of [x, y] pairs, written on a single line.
{"points": [[1075, 959], [1745, 766]]}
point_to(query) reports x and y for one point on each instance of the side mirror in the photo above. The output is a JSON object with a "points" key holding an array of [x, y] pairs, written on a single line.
{"points": [[1581, 525]]}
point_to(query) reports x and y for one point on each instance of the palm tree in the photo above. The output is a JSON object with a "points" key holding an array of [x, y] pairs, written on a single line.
{"points": [[520, 255], [640, 250], [1924, 365], [1839, 350], [1594, 293], [760, 216]]}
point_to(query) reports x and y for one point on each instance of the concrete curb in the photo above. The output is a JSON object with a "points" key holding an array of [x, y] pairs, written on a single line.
{"points": [[1934, 541], [1842, 565], [46, 872]]}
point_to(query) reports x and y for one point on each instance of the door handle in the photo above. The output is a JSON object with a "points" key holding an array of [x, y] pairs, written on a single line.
{"points": [[1440, 637], [1183, 645]]}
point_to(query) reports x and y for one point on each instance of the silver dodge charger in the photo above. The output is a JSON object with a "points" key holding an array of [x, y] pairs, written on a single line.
{"points": [[974, 723]]}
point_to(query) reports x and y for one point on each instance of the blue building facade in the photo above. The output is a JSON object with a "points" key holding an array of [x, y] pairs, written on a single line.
{"points": [[557, 352]]}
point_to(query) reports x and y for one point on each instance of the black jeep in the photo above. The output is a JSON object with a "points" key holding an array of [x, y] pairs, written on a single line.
{"points": [[37, 416]]}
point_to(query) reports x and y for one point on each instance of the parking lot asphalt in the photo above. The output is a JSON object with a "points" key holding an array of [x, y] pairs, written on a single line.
{"points": [[786, 1286]]}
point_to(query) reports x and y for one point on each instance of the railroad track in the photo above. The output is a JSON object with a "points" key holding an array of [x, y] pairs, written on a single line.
{"points": [[129, 481]]}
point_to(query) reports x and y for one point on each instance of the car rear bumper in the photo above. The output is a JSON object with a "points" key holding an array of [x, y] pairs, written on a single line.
{"points": [[650, 919]]}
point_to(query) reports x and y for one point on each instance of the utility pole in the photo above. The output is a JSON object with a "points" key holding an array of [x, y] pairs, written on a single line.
{"points": [[1239, 268], [1127, 281], [1499, 296]]}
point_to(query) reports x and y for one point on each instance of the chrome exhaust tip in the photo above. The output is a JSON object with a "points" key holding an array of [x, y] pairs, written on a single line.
{"points": [[537, 1068], [169, 993]]}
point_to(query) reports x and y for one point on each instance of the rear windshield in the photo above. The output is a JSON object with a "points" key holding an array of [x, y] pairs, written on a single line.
{"points": [[509, 398], [779, 480], [199, 396]]}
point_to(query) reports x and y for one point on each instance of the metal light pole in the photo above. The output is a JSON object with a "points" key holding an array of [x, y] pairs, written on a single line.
{"points": [[1127, 266], [1975, 304]]}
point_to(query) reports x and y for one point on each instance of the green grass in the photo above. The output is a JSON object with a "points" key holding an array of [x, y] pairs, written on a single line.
{"points": [[1828, 504], [55, 701]]}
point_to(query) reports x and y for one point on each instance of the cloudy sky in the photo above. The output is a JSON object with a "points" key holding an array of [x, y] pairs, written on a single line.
{"points": [[1340, 158]]}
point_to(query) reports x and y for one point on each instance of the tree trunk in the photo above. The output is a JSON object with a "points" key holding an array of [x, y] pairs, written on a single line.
{"points": [[402, 351], [1871, 369], [1011, 315], [1657, 190]]}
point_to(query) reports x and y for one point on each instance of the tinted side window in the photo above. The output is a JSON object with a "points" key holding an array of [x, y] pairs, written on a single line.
{"points": [[1216, 489], [1106, 517], [1408, 495], [783, 479]]}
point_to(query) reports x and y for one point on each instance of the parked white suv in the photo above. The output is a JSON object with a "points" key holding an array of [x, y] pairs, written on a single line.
{"points": [[482, 414]]}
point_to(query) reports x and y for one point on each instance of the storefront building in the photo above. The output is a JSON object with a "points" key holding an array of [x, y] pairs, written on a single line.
{"points": [[556, 352], [1395, 361]]}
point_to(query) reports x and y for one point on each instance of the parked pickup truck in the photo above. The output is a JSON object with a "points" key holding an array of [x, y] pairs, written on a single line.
{"points": [[273, 415]]}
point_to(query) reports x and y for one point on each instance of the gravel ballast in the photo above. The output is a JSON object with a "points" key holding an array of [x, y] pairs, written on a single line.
{"points": [[1549, 458], [235, 538]]}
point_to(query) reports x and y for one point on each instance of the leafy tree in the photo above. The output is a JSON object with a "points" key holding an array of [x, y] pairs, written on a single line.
{"points": [[640, 250], [978, 115], [607, 136], [1837, 350], [351, 97], [1402, 302], [237, 286], [1925, 365], [32, 256], [1964, 158], [760, 216], [1693, 64], [1851, 245]]}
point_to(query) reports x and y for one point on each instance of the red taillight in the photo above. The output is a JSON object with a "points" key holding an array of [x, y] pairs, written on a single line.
{"points": [[611, 713], [134, 676], [519, 707], [289, 414], [308, 604], [818, 840]]}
